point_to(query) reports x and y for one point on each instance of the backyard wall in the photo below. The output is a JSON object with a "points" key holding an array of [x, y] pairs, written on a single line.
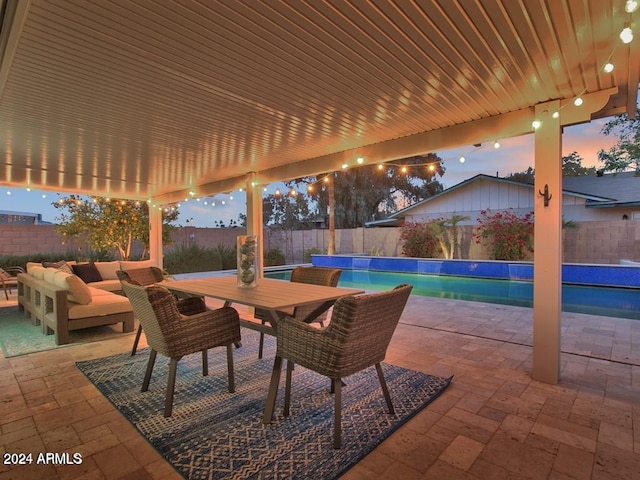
{"points": [[591, 242]]}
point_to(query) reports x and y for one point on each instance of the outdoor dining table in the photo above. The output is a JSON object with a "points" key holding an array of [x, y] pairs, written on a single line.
{"points": [[271, 295]]}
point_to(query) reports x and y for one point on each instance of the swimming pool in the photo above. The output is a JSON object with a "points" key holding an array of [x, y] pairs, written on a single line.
{"points": [[610, 302]]}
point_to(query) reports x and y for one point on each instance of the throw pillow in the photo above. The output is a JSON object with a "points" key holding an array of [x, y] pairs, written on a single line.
{"points": [[78, 290], [108, 269], [87, 272], [61, 265]]}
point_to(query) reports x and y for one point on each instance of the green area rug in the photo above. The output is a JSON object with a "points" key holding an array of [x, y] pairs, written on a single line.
{"points": [[18, 336], [213, 434]]}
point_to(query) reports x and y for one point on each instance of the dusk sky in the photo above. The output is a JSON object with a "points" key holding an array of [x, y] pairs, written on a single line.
{"points": [[514, 155]]}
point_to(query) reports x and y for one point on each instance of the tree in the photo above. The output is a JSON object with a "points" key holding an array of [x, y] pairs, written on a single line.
{"points": [[523, 177], [571, 167], [625, 154], [105, 224], [368, 193], [290, 212]]}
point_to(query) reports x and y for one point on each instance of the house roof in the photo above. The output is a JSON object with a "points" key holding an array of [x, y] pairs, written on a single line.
{"points": [[621, 189], [155, 99], [597, 191]]}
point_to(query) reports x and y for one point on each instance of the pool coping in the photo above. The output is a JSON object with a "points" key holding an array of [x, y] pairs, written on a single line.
{"points": [[620, 276]]}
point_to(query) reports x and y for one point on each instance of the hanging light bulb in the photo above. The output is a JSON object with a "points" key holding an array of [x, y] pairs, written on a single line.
{"points": [[277, 192], [462, 159], [626, 35], [608, 67], [536, 124], [631, 6], [344, 166], [496, 144], [555, 114], [360, 160], [578, 101], [403, 169]]}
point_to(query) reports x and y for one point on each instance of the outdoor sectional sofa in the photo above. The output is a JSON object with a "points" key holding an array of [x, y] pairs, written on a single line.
{"points": [[58, 298]]}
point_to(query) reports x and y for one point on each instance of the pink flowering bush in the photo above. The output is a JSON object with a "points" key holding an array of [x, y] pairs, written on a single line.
{"points": [[418, 240], [510, 236]]}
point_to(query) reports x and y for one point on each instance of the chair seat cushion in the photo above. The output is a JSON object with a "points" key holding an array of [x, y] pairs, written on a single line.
{"points": [[107, 285]]}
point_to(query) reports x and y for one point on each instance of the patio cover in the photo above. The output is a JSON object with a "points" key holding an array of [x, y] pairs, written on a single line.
{"points": [[160, 101]]}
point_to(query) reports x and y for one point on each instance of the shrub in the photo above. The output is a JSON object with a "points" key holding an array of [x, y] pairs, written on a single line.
{"points": [[509, 235], [192, 258], [22, 260], [228, 256], [306, 255], [418, 240], [274, 257]]}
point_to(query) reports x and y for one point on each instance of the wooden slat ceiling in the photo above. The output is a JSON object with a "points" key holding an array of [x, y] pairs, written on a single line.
{"points": [[147, 98]]}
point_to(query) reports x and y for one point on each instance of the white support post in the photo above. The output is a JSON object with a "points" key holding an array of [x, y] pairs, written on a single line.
{"points": [[254, 217], [155, 236], [547, 264]]}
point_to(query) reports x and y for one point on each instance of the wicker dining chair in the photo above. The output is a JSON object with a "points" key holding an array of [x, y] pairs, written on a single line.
{"points": [[146, 276], [175, 335], [357, 338], [313, 275]]}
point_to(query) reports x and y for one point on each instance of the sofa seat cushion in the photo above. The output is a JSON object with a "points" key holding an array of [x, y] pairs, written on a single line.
{"points": [[101, 304], [107, 285]]}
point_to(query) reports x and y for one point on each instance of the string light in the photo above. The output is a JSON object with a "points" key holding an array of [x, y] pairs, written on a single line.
{"points": [[578, 101], [626, 35], [496, 144], [536, 124]]}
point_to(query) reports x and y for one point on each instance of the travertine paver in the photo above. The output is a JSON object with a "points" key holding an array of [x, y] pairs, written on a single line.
{"points": [[493, 422]]}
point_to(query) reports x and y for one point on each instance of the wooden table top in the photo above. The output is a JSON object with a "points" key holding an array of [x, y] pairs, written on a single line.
{"points": [[269, 294]]}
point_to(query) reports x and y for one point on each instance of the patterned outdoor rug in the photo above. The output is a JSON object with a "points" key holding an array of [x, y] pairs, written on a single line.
{"points": [[18, 336], [215, 434]]}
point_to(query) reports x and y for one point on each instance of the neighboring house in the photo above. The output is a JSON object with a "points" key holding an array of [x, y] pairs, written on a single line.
{"points": [[588, 198], [21, 218]]}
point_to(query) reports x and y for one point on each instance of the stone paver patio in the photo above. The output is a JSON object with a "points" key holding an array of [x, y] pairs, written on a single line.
{"points": [[493, 422]]}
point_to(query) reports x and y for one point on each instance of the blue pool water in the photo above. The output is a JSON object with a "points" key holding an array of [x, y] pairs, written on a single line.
{"points": [[611, 302]]}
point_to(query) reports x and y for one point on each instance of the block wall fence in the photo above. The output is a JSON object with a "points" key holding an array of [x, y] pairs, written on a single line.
{"points": [[602, 242]]}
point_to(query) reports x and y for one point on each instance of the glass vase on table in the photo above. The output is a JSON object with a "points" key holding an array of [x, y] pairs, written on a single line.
{"points": [[247, 261]]}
